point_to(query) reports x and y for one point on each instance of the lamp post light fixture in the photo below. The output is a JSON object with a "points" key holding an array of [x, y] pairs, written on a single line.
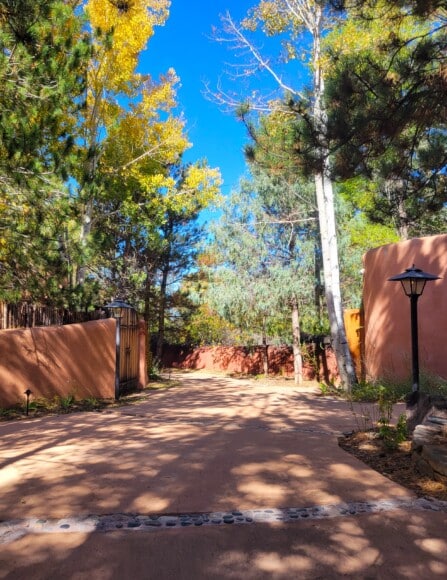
{"points": [[116, 310], [413, 282], [27, 393]]}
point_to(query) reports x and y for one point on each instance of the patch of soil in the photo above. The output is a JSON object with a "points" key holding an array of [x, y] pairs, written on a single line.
{"points": [[394, 464]]}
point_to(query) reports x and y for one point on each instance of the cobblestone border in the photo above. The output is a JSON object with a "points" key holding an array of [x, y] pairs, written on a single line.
{"points": [[14, 529]]}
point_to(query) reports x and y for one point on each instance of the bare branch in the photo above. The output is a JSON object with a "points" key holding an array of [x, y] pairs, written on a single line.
{"points": [[241, 41]]}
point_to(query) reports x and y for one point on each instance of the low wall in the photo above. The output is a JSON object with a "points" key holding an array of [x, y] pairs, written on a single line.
{"points": [[387, 309], [320, 364], [76, 359]]}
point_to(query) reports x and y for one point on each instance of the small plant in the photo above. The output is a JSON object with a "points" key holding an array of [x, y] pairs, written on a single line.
{"points": [[155, 369], [12, 413], [91, 403], [66, 402], [42, 404], [364, 392], [325, 389], [401, 428], [392, 436], [329, 389], [372, 404], [432, 384], [385, 401]]}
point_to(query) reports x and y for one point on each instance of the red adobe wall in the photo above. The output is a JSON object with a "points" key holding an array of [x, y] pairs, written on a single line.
{"points": [[387, 309], [76, 359], [246, 360]]}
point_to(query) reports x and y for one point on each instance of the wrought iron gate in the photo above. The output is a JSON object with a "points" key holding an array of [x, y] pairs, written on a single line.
{"points": [[128, 350]]}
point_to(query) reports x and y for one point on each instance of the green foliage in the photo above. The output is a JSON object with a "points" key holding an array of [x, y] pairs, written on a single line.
{"points": [[90, 154], [382, 392], [264, 248], [66, 402], [330, 390], [55, 405], [43, 54], [42, 71], [204, 326], [372, 403], [393, 436], [385, 119], [92, 403]]}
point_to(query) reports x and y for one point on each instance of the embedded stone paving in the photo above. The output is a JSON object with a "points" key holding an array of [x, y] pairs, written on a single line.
{"points": [[216, 479], [14, 529]]}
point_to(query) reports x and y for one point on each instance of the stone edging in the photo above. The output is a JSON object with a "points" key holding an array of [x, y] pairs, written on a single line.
{"points": [[14, 529]]}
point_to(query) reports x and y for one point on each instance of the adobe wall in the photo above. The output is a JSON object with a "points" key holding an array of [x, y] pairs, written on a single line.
{"points": [[76, 359], [244, 360], [387, 309]]}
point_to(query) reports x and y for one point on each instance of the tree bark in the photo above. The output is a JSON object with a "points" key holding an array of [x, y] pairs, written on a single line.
{"points": [[161, 314], [327, 221], [265, 350], [296, 343], [86, 228], [147, 320]]}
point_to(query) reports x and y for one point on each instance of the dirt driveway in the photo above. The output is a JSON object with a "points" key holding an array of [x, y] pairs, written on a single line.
{"points": [[216, 478]]}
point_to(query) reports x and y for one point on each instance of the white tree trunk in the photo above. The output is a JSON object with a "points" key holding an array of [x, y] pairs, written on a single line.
{"points": [[86, 228], [310, 15], [265, 350], [296, 343], [327, 220], [331, 272]]}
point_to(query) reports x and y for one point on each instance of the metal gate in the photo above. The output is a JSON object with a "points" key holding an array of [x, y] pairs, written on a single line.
{"points": [[128, 363]]}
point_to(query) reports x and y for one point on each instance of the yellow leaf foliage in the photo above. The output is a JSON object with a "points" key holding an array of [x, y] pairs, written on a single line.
{"points": [[146, 138], [200, 187], [122, 29], [131, 116], [275, 16]]}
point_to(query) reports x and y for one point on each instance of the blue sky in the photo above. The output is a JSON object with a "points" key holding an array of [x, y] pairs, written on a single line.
{"points": [[184, 44]]}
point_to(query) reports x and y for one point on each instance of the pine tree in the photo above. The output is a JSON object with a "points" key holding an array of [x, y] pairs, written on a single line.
{"points": [[294, 21], [42, 71], [386, 114]]}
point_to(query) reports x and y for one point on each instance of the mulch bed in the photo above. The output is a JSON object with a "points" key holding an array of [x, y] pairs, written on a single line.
{"points": [[394, 464]]}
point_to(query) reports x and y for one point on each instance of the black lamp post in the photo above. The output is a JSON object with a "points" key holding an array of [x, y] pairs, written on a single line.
{"points": [[27, 393], [413, 282], [116, 310]]}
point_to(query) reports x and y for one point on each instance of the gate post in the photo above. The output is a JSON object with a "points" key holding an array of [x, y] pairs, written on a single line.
{"points": [[116, 309], [142, 360], [117, 356]]}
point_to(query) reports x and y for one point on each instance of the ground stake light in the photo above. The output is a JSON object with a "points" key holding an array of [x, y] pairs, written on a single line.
{"points": [[27, 393], [413, 282]]}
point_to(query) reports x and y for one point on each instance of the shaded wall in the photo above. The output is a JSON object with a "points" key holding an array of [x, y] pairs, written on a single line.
{"points": [[77, 359], [318, 364], [387, 309]]}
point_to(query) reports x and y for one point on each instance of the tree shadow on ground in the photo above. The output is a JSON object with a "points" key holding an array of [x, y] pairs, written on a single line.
{"points": [[211, 444]]}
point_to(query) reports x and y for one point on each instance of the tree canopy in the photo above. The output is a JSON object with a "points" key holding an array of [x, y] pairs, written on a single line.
{"points": [[348, 152]]}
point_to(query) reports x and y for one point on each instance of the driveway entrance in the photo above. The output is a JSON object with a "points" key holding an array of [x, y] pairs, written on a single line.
{"points": [[215, 478]]}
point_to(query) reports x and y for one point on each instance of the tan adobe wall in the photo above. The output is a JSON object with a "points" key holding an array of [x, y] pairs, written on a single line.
{"points": [[77, 359], [387, 309]]}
